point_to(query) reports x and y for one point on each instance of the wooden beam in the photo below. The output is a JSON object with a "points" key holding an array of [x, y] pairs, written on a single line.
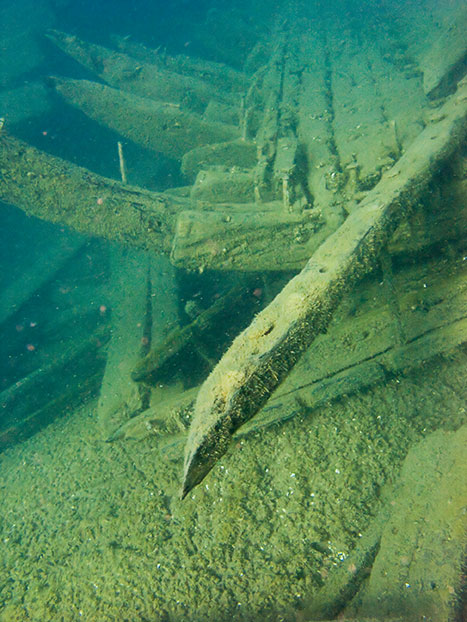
{"points": [[262, 356], [55, 190], [156, 125], [139, 77], [358, 351]]}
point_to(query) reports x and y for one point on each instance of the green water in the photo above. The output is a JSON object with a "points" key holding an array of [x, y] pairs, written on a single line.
{"points": [[343, 495]]}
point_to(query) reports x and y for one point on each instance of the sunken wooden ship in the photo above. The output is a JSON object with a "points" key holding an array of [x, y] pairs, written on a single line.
{"points": [[324, 171]]}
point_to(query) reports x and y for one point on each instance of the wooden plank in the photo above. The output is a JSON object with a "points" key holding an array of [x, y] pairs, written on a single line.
{"points": [[162, 420], [434, 34], [266, 136], [363, 349], [55, 190], [362, 135], [404, 548], [161, 127], [244, 237], [143, 309], [398, 83], [446, 59], [422, 542], [120, 397], [286, 174], [219, 184], [218, 74], [307, 398], [261, 357], [219, 112], [236, 153], [316, 132], [133, 76], [66, 371]]}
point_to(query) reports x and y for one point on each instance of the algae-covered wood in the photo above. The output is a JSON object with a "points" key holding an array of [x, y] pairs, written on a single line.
{"points": [[362, 346], [243, 237], [56, 190], [404, 547], [143, 303], [262, 356], [291, 522], [435, 37], [236, 153], [226, 237], [219, 74], [319, 123], [139, 78], [53, 390], [420, 540], [160, 126]]}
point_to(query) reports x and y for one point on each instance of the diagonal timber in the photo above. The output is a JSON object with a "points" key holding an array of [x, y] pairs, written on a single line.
{"points": [[263, 354]]}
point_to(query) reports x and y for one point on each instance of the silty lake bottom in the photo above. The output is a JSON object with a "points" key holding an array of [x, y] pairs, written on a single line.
{"points": [[233, 271]]}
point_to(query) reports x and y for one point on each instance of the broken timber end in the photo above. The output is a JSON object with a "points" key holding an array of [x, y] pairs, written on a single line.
{"points": [[263, 354]]}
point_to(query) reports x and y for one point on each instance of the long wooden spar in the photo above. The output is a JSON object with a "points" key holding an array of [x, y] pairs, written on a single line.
{"points": [[263, 354], [55, 190], [230, 238]]}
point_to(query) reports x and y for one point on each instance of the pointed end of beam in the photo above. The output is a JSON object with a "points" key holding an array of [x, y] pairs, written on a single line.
{"points": [[201, 454]]}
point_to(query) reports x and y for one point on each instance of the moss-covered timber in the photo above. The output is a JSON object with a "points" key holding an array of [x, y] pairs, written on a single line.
{"points": [[261, 357], [418, 572], [245, 237], [219, 75], [415, 564], [362, 346], [226, 237], [160, 126], [140, 78], [181, 343], [55, 190], [234, 153]]}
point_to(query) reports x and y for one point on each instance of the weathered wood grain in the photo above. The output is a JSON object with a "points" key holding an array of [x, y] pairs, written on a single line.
{"points": [[159, 126], [53, 189], [261, 356], [140, 78]]}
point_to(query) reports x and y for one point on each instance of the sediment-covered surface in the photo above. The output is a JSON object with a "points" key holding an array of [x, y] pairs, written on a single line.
{"points": [[344, 496], [96, 531]]}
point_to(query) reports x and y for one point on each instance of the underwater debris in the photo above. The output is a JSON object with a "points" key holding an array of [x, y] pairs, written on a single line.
{"points": [[266, 351]]}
